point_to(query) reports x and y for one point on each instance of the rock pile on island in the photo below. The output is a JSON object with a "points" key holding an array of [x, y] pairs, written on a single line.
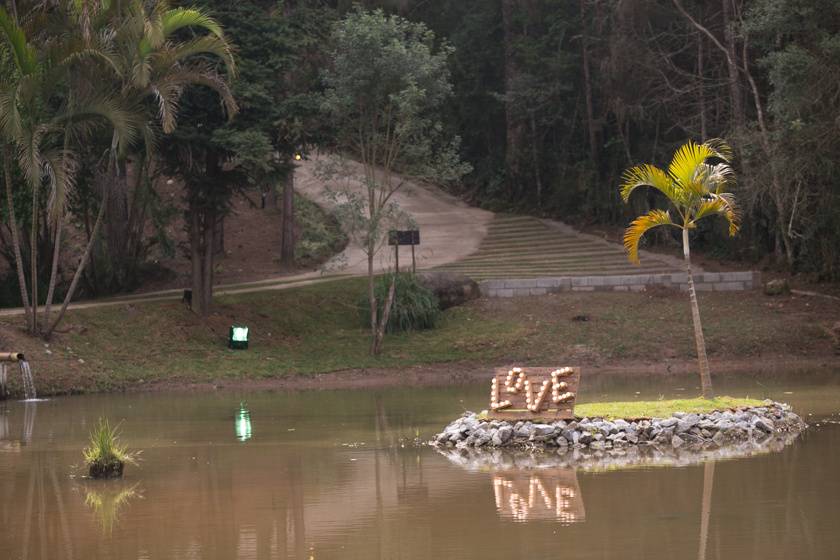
{"points": [[717, 429]]}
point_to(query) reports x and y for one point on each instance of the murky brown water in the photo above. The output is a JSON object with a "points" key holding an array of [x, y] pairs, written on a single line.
{"points": [[336, 475]]}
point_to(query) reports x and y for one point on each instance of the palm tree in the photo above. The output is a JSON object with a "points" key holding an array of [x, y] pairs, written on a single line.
{"points": [[694, 185], [39, 113], [151, 69]]}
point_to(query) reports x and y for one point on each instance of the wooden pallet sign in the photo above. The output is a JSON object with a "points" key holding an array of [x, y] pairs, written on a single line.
{"points": [[534, 393]]}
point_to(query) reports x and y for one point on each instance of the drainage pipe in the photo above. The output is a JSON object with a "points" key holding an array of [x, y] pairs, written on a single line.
{"points": [[4, 374], [11, 357]]}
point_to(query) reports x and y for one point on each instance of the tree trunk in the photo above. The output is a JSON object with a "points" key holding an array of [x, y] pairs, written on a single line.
{"points": [[386, 314], [703, 361], [196, 261], [735, 90], [207, 265], [372, 302], [59, 226], [587, 88], [270, 198], [535, 158], [33, 258], [701, 88], [287, 237], [219, 237], [514, 125], [82, 263], [24, 293]]}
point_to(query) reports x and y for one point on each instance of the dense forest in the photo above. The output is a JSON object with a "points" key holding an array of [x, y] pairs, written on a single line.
{"points": [[551, 100]]}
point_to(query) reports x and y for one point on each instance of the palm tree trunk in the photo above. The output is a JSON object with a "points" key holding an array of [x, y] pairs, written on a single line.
{"points": [[33, 259], [59, 225], [24, 293], [82, 263], [703, 361]]}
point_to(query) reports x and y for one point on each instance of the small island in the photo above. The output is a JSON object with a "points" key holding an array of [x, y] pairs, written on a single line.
{"points": [[693, 424]]}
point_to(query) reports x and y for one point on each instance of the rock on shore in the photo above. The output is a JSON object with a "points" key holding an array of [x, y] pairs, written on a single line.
{"points": [[713, 429]]}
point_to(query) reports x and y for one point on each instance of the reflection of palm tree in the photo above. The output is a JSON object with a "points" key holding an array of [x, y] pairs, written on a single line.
{"points": [[106, 504], [708, 482]]}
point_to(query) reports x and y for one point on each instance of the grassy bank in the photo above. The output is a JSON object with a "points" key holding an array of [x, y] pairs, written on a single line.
{"points": [[303, 331], [661, 409]]}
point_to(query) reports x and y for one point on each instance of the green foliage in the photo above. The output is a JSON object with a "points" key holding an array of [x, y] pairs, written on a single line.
{"points": [[386, 89], [694, 186], [320, 234], [415, 307], [105, 447]]}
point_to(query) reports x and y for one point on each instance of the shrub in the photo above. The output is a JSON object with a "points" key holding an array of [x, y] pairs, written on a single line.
{"points": [[319, 235], [415, 306], [105, 455]]}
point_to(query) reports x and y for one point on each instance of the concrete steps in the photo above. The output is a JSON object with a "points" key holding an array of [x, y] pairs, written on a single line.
{"points": [[526, 247]]}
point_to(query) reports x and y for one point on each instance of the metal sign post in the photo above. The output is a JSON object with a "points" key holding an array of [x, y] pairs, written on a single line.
{"points": [[404, 237]]}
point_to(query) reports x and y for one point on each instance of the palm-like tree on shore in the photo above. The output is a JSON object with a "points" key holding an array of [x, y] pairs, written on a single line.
{"points": [[66, 68], [695, 184], [39, 114]]}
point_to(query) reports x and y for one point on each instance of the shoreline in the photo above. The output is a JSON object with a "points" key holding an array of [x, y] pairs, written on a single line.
{"points": [[454, 374], [447, 375]]}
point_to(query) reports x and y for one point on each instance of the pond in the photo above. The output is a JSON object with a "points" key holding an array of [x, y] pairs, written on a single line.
{"points": [[338, 474]]}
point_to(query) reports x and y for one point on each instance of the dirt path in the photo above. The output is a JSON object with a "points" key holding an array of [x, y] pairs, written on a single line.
{"points": [[450, 230]]}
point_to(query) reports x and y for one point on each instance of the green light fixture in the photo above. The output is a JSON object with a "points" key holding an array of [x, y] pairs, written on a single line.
{"points": [[242, 423], [238, 338]]}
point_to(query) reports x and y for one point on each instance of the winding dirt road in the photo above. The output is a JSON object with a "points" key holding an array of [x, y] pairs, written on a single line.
{"points": [[450, 230]]}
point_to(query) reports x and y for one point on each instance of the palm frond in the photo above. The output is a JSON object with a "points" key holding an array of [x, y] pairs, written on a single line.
{"points": [[723, 205], [721, 149], [124, 122], [637, 228], [721, 177], [60, 167], [28, 152], [167, 96], [178, 53], [24, 54], [169, 87], [10, 118], [648, 176], [687, 163], [94, 55], [178, 18]]}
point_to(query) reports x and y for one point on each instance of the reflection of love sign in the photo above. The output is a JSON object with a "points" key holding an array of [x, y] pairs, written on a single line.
{"points": [[517, 393], [553, 494]]}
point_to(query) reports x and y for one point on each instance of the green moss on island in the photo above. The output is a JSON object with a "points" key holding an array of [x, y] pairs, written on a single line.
{"points": [[662, 408]]}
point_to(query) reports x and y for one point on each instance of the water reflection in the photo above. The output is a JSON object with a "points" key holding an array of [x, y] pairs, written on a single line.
{"points": [[243, 423], [336, 475], [8, 441], [545, 495], [107, 500]]}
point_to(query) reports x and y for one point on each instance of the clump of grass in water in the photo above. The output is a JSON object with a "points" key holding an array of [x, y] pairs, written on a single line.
{"points": [[106, 456]]}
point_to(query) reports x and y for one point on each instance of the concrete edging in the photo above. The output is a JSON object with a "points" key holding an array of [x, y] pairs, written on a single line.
{"points": [[703, 281]]}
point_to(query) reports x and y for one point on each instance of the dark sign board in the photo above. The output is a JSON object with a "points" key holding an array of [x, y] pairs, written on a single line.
{"points": [[404, 237]]}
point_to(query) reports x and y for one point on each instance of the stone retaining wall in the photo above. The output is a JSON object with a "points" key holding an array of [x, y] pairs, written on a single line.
{"points": [[703, 281], [713, 429]]}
